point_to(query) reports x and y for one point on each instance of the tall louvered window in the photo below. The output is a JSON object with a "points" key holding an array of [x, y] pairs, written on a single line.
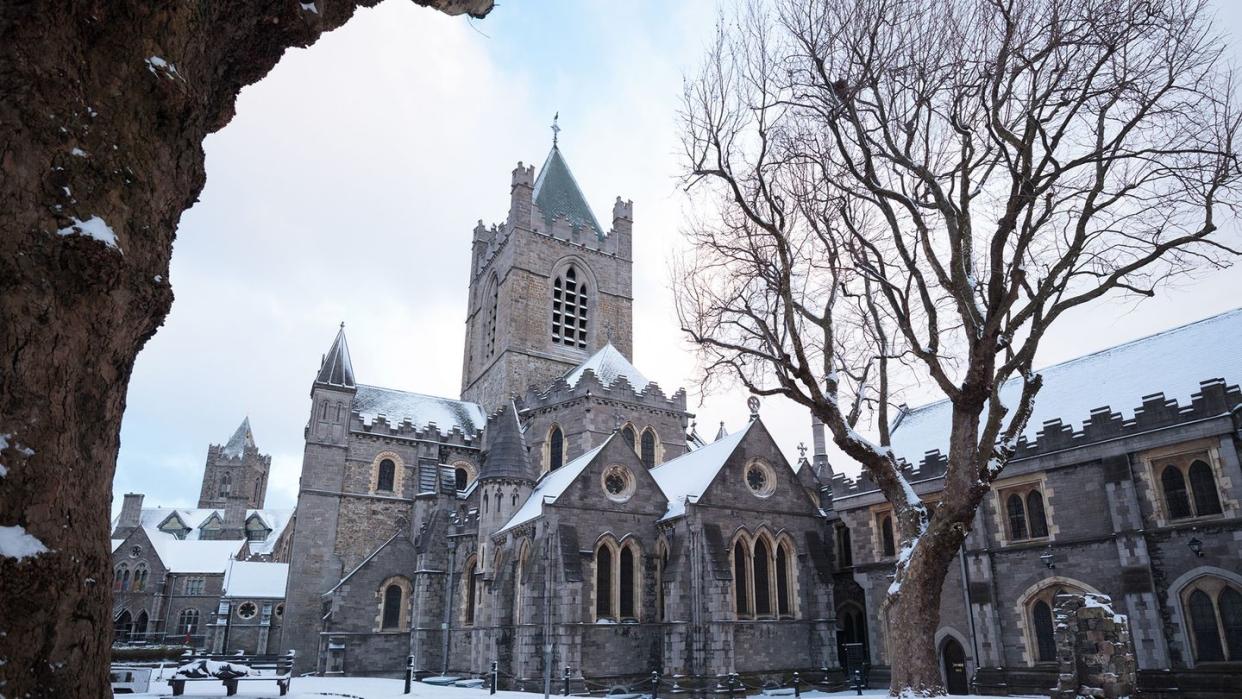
{"points": [[569, 309], [489, 329]]}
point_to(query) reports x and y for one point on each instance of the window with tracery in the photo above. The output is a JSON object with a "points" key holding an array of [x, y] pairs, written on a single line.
{"points": [[1023, 507], [569, 309], [187, 622], [617, 581], [226, 484], [1213, 611], [1188, 485], [763, 576]]}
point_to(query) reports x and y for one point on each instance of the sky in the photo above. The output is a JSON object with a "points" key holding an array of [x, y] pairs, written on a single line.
{"points": [[346, 189]]}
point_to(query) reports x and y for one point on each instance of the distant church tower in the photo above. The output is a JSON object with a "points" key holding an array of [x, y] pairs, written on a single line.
{"points": [[235, 469], [548, 287]]}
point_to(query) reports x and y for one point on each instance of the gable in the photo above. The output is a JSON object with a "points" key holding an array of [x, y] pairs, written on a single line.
{"points": [[615, 462], [783, 491]]}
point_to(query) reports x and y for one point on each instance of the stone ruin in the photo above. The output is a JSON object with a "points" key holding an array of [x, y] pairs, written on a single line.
{"points": [[1094, 650]]}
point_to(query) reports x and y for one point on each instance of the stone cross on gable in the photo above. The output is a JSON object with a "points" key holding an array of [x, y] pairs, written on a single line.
{"points": [[802, 449]]}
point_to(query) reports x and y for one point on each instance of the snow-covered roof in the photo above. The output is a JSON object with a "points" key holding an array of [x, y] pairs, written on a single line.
{"points": [[421, 410], [194, 517], [1172, 362], [688, 475], [193, 555], [255, 579], [337, 369], [609, 365], [240, 440], [550, 487]]}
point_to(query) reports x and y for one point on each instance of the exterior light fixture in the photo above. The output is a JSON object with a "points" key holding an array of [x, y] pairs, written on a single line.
{"points": [[1048, 558], [1196, 546]]}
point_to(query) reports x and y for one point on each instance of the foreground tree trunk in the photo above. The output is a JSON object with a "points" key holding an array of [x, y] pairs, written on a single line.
{"points": [[103, 110]]}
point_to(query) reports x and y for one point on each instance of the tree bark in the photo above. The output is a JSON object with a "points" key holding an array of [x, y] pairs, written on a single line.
{"points": [[103, 109]]}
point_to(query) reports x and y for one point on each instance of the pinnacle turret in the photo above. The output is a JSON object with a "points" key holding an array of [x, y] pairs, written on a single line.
{"points": [[337, 369], [505, 454]]}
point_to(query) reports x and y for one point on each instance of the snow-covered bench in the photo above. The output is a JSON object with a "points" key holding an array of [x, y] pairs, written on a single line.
{"points": [[232, 670]]}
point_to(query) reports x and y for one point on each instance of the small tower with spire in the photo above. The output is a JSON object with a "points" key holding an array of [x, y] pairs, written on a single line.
{"points": [[235, 470]]}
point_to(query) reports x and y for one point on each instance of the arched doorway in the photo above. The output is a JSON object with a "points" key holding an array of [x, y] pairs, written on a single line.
{"points": [[953, 659], [122, 627], [140, 626]]}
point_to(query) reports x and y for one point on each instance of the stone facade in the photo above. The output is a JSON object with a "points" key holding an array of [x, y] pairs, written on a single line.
{"points": [[1108, 527], [560, 531], [235, 468]]}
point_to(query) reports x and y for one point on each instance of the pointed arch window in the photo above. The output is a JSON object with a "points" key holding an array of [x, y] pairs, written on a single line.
{"points": [[556, 448], [469, 596], [140, 579], [625, 589], [570, 301], [888, 546], [648, 448], [1025, 515], [226, 483], [661, 569], [519, 584], [1045, 641], [187, 622], [492, 308], [784, 574], [1175, 496], [1203, 485], [763, 587], [1213, 608], [603, 582], [853, 630], [140, 624], [741, 593]]}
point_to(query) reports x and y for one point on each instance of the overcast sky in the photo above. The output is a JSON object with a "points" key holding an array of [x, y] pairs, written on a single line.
{"points": [[346, 189]]}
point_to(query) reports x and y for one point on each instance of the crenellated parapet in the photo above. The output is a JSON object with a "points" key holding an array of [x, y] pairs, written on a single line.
{"points": [[1215, 398], [589, 386], [404, 428]]}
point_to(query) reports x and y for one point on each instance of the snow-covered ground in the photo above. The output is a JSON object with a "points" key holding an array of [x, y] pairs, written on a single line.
{"points": [[371, 688]]}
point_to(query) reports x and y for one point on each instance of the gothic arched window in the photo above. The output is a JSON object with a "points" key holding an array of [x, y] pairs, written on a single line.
{"points": [[1045, 641], [519, 585], [603, 582], [648, 448], [887, 544], [556, 448], [226, 484], [1035, 514], [140, 579], [661, 568], [391, 616], [627, 433], [569, 309], [387, 476], [625, 588], [741, 593], [1175, 496], [1214, 610], [1203, 485], [1017, 517], [853, 630], [470, 596], [763, 588], [784, 572]]}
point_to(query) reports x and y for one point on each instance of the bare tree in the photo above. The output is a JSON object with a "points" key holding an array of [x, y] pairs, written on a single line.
{"points": [[903, 190]]}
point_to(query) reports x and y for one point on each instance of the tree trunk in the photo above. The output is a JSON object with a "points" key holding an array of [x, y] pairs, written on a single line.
{"points": [[913, 615], [103, 109]]}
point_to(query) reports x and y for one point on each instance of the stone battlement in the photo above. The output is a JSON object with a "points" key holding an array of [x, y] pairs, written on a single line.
{"points": [[1213, 399], [380, 426], [590, 386]]}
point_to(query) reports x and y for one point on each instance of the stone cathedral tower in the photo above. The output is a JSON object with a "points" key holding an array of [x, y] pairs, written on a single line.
{"points": [[548, 287], [236, 469]]}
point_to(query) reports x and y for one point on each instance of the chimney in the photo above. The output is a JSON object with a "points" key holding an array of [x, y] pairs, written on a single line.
{"points": [[823, 469], [131, 516], [234, 517]]}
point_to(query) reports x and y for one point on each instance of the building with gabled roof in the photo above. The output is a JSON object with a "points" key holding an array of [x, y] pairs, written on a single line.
{"points": [[564, 498]]}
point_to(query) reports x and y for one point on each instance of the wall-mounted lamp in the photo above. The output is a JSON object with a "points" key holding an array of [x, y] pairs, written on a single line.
{"points": [[1048, 558], [1196, 546]]}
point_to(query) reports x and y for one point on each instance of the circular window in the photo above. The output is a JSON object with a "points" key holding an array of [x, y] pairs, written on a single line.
{"points": [[618, 483], [760, 478], [247, 610], [280, 609], [135, 552]]}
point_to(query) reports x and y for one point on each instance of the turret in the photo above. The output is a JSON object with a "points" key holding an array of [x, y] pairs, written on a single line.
{"points": [[623, 228], [332, 395], [506, 476], [521, 196]]}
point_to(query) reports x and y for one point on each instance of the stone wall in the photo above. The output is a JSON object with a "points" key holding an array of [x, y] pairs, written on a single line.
{"points": [[1094, 653]]}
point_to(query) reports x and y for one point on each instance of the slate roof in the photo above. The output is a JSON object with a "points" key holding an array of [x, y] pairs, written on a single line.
{"points": [[1173, 362], [240, 440], [337, 369], [506, 455], [557, 194], [689, 475], [421, 410], [193, 517], [609, 365], [551, 486]]}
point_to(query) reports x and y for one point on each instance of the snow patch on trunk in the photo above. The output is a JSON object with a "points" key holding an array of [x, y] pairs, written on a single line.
{"points": [[93, 227], [16, 542]]}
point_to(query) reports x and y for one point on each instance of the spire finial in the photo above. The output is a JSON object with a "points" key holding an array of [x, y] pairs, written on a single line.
{"points": [[556, 130], [342, 325]]}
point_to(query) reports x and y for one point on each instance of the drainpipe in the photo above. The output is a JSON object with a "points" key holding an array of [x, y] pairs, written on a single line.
{"points": [[448, 606], [970, 611]]}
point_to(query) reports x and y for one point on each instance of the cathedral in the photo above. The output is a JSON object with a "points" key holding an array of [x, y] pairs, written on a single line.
{"points": [[562, 513]]}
